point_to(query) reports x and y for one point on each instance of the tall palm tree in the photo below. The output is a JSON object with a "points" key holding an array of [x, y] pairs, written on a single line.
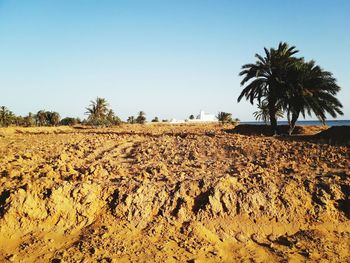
{"points": [[310, 90], [98, 109], [266, 78]]}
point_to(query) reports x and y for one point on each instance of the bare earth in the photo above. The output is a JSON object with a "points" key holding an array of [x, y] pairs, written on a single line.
{"points": [[170, 194]]}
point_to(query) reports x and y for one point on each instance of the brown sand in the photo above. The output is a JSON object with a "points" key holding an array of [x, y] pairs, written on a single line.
{"points": [[170, 194]]}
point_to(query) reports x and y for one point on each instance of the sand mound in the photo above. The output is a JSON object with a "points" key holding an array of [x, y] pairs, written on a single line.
{"points": [[335, 135], [179, 193], [252, 129]]}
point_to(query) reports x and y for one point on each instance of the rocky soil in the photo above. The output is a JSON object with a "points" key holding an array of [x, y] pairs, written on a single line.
{"points": [[171, 194]]}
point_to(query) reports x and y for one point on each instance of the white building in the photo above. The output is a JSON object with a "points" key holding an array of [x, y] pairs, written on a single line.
{"points": [[202, 117], [206, 116]]}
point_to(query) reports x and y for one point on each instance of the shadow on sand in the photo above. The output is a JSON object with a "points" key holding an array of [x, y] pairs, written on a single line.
{"points": [[336, 135]]}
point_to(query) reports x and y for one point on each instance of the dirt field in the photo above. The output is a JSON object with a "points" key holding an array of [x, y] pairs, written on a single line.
{"points": [[170, 194]]}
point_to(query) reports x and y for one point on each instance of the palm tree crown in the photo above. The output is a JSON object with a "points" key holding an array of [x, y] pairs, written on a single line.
{"points": [[98, 109], [310, 90]]}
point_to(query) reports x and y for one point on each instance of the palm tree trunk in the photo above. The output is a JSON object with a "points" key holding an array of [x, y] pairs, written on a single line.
{"points": [[272, 113], [295, 116], [273, 122]]}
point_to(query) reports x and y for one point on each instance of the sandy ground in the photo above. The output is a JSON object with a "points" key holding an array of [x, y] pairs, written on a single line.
{"points": [[171, 194]]}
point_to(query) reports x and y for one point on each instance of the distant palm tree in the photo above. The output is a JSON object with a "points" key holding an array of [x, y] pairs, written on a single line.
{"points": [[53, 118], [267, 75], [112, 118], [262, 114], [98, 109], [6, 116], [141, 119], [29, 120], [155, 119], [110, 114], [131, 120], [3, 115], [41, 118], [18, 120], [224, 117]]}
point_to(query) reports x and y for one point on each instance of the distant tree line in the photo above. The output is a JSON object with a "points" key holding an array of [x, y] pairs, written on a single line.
{"points": [[41, 118], [99, 114]]}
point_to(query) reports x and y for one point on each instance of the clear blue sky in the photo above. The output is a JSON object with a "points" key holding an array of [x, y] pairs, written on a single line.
{"points": [[167, 58]]}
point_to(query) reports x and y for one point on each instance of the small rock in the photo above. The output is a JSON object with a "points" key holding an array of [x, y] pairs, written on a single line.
{"points": [[241, 237], [255, 237], [272, 237], [11, 257]]}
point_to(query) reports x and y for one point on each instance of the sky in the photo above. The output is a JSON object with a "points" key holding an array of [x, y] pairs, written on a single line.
{"points": [[168, 58]]}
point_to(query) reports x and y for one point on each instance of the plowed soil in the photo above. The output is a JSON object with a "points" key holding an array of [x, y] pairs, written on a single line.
{"points": [[171, 194]]}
